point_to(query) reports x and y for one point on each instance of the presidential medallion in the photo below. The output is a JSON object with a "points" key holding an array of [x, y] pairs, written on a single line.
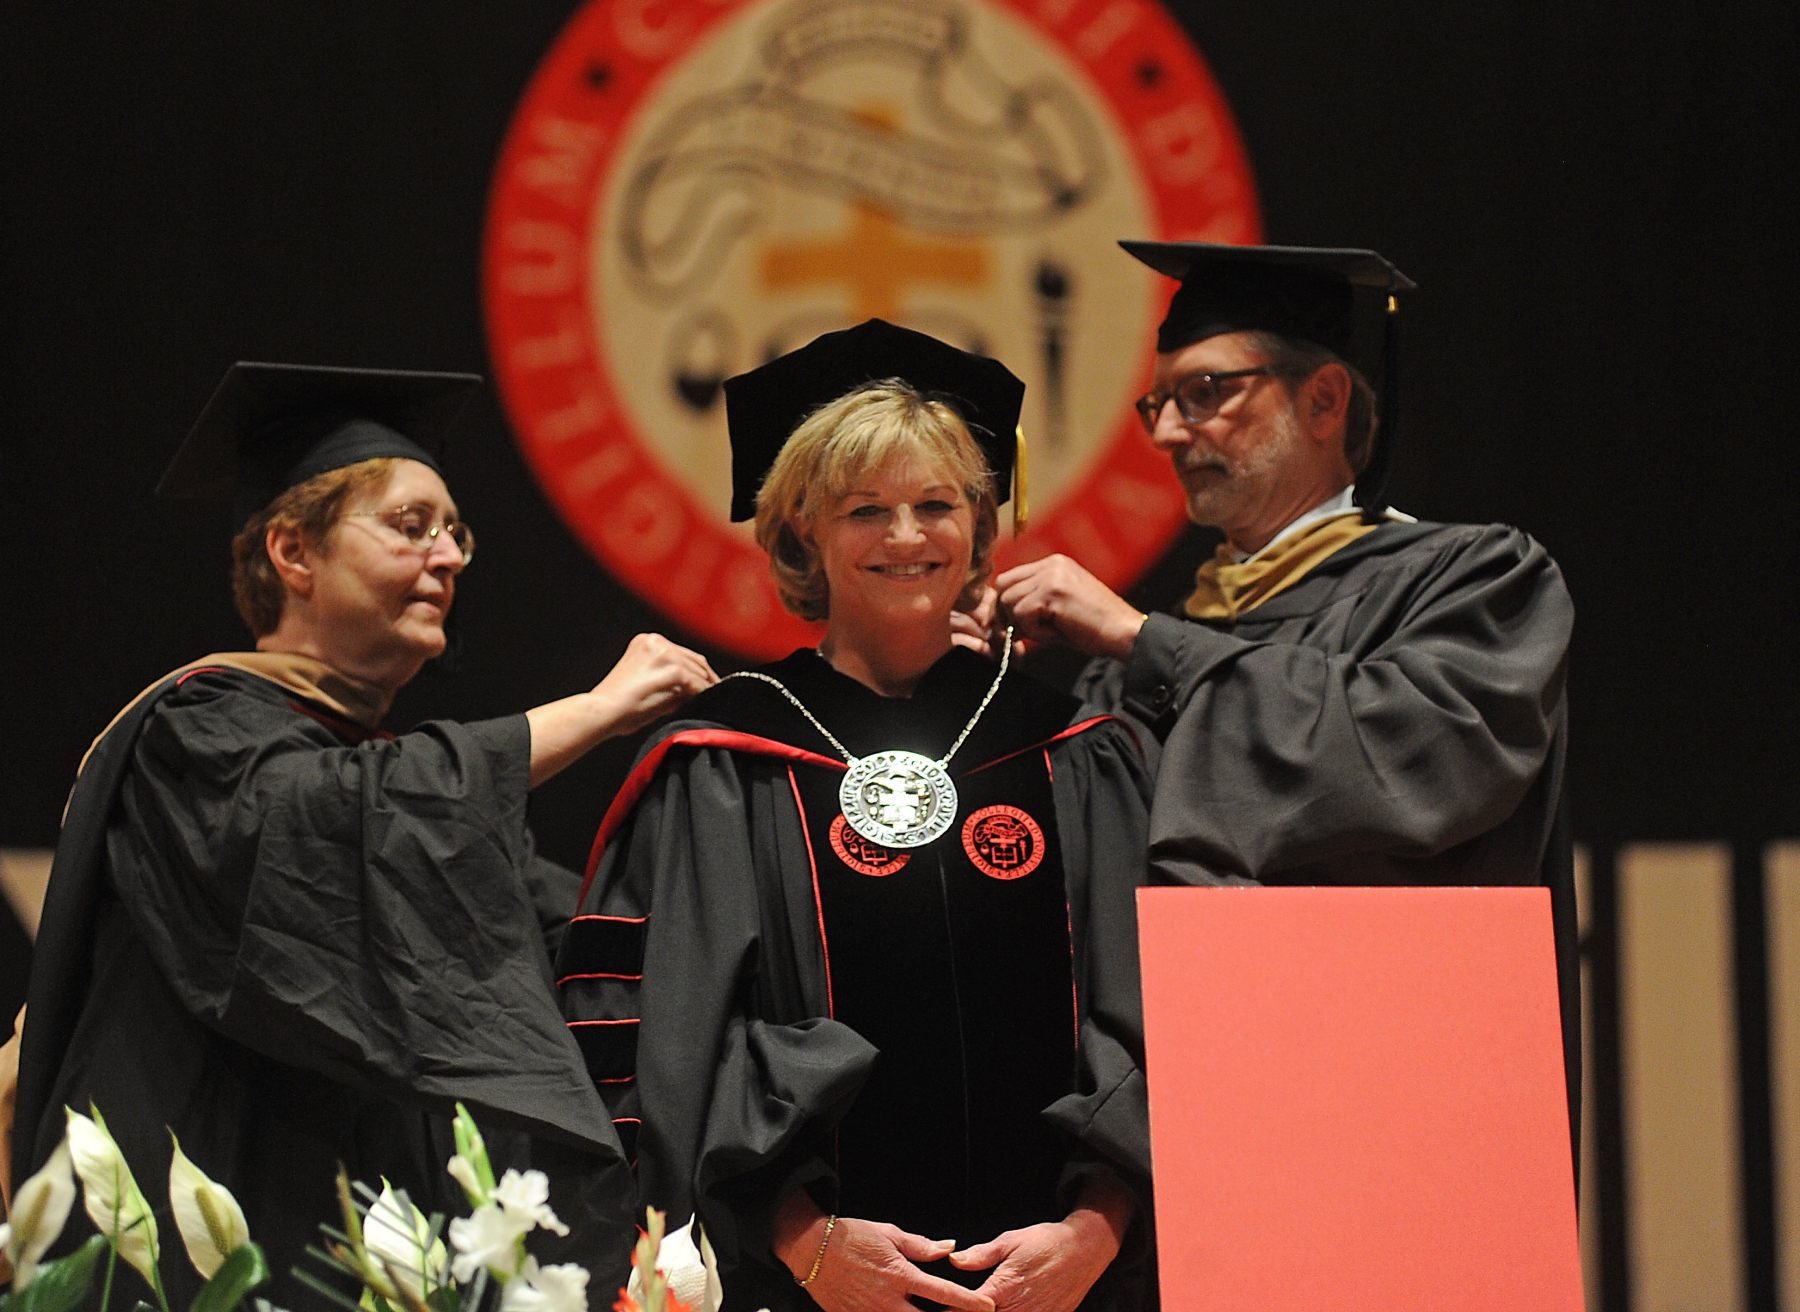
{"points": [[898, 799]]}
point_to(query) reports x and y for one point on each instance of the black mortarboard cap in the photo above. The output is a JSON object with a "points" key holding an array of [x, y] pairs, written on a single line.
{"points": [[270, 427], [765, 406], [1306, 292]]}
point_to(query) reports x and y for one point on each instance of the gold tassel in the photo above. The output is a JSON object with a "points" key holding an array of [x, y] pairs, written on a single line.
{"points": [[1021, 501]]}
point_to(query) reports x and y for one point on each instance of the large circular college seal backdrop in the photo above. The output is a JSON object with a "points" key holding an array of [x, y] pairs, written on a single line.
{"points": [[692, 187]]}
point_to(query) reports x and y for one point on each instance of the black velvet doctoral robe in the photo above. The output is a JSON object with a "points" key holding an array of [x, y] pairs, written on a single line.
{"points": [[948, 1038], [298, 943], [1396, 717]]}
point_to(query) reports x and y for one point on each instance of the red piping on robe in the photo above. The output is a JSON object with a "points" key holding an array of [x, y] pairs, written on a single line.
{"points": [[639, 780], [1070, 732], [818, 901]]}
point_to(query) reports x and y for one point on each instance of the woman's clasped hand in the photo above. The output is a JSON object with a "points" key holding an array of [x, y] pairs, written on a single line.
{"points": [[868, 1266]]}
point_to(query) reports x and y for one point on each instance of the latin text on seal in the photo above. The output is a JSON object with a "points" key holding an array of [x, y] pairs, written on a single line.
{"points": [[898, 799]]}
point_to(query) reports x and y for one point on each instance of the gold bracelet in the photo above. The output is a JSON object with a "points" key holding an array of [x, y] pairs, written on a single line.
{"points": [[819, 1261]]}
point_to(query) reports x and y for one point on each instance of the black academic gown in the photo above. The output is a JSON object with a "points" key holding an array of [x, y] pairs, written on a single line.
{"points": [[1397, 717], [297, 943], [947, 1038]]}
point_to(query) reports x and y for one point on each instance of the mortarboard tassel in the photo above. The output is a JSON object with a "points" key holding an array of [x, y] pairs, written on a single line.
{"points": [[1021, 503], [1372, 483]]}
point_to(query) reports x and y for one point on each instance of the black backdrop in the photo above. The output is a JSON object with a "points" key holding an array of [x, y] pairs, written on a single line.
{"points": [[1598, 208]]}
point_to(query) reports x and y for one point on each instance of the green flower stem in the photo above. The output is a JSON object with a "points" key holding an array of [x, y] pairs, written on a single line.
{"points": [[162, 1299], [112, 1260]]}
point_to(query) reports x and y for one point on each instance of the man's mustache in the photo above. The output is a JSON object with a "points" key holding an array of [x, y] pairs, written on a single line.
{"points": [[1191, 462]]}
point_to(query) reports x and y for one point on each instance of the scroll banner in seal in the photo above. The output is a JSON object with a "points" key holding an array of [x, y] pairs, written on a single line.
{"points": [[690, 188], [1357, 1100]]}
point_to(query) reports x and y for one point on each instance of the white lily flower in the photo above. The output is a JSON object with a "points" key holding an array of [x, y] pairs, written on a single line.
{"points": [[114, 1202], [395, 1233], [691, 1270], [489, 1238], [40, 1209], [561, 1288], [527, 1198], [463, 1171], [211, 1223]]}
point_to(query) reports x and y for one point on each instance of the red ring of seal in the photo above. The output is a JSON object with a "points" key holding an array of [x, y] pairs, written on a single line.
{"points": [[861, 855], [607, 475], [1003, 842]]}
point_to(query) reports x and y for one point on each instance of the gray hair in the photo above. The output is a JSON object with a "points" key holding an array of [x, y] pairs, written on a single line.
{"points": [[1300, 359]]}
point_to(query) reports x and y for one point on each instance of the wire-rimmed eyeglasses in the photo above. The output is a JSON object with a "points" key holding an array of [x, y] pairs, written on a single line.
{"points": [[420, 526]]}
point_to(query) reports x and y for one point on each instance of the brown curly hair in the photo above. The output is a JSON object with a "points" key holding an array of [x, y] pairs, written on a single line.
{"points": [[835, 447], [313, 507]]}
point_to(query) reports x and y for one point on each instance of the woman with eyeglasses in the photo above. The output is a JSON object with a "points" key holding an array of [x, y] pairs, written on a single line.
{"points": [[280, 931]]}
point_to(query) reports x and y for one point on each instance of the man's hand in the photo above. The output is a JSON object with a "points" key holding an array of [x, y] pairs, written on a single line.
{"points": [[867, 1266], [1056, 600], [975, 628]]}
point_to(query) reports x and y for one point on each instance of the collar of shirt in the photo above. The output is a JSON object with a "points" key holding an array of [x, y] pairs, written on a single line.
{"points": [[1341, 504]]}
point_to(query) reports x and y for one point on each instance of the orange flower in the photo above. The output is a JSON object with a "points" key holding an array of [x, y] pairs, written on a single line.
{"points": [[627, 1303]]}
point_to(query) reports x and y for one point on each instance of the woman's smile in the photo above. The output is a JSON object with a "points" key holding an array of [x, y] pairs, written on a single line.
{"points": [[912, 570]]}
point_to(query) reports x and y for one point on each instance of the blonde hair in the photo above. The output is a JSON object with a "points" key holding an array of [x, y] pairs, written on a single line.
{"points": [[834, 448], [312, 507]]}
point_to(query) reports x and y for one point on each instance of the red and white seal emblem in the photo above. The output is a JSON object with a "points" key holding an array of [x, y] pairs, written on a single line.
{"points": [[1003, 842], [861, 855], [692, 187]]}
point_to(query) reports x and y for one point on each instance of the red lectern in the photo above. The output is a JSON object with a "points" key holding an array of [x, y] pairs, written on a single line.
{"points": [[1357, 1100]]}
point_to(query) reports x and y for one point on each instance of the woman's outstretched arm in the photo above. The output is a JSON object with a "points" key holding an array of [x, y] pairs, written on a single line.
{"points": [[652, 678]]}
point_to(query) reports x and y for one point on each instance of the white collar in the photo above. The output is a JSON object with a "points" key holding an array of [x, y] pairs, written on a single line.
{"points": [[1341, 504]]}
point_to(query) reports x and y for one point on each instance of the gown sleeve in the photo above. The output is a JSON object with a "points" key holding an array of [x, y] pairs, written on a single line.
{"points": [[1103, 785], [360, 911], [1428, 731], [694, 979], [554, 891]]}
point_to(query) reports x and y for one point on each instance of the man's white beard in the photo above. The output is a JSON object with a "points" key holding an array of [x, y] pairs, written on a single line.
{"points": [[1249, 477]]}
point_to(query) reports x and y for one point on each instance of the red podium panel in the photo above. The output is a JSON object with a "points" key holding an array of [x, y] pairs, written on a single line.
{"points": [[1357, 1100]]}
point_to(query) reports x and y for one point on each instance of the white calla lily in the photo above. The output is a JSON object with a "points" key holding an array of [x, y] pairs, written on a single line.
{"points": [[396, 1233], [114, 1202], [488, 1238], [561, 1288], [715, 1288], [526, 1197], [463, 1171], [691, 1270], [40, 1208], [211, 1223]]}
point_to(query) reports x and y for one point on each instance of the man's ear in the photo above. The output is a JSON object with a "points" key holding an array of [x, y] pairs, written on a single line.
{"points": [[1324, 403], [291, 556]]}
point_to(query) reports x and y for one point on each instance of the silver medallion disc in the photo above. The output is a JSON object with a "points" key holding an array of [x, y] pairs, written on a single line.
{"points": [[898, 799]]}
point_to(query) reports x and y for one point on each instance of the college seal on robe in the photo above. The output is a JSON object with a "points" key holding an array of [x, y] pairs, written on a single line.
{"points": [[1003, 842], [690, 188], [861, 855]]}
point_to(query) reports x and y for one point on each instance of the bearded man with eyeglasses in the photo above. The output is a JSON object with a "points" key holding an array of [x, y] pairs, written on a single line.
{"points": [[1348, 696]]}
